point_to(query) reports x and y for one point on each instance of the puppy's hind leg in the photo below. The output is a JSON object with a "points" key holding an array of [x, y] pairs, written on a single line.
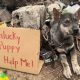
{"points": [[74, 61], [66, 69]]}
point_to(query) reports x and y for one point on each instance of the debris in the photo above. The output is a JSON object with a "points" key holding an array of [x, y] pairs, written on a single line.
{"points": [[29, 16], [48, 56], [71, 9], [5, 16]]}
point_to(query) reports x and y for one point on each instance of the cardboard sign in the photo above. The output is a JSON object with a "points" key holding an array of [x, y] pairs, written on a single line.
{"points": [[19, 49]]}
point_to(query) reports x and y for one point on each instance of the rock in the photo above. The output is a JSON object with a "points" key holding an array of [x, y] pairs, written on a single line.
{"points": [[29, 16], [5, 16]]}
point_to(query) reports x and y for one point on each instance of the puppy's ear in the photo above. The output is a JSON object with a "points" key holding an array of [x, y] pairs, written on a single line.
{"points": [[56, 14], [79, 14]]}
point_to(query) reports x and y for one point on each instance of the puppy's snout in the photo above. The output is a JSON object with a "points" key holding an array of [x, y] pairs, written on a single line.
{"points": [[75, 31]]}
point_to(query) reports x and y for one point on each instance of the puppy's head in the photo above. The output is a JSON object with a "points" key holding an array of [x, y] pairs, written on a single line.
{"points": [[62, 27], [68, 22]]}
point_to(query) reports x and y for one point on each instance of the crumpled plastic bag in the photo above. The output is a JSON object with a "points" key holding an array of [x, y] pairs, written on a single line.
{"points": [[71, 9]]}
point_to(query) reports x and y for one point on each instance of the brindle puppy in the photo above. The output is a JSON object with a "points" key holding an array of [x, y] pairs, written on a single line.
{"points": [[60, 34]]}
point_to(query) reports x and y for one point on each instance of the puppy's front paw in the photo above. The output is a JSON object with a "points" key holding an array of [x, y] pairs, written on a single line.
{"points": [[76, 69], [67, 72]]}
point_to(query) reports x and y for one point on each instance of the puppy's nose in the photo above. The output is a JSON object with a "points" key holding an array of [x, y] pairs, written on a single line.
{"points": [[75, 31]]}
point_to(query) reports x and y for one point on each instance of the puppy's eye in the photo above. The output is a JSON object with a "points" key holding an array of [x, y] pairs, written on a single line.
{"points": [[67, 22]]}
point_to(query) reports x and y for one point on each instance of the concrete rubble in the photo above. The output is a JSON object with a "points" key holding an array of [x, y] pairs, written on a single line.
{"points": [[29, 16]]}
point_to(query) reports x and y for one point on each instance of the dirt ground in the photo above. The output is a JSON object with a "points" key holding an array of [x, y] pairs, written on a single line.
{"points": [[47, 73]]}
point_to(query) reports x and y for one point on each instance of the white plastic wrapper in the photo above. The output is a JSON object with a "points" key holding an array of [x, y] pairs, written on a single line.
{"points": [[71, 9]]}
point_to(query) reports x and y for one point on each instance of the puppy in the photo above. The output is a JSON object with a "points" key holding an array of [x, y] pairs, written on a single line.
{"points": [[60, 33]]}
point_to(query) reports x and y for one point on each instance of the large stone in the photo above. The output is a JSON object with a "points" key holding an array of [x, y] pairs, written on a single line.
{"points": [[29, 16], [5, 16]]}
